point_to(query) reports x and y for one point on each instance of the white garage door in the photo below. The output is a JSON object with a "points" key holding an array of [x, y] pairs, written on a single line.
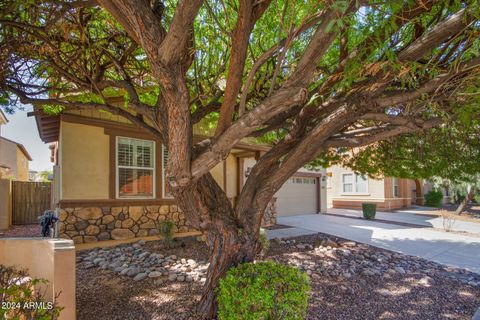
{"points": [[297, 196]]}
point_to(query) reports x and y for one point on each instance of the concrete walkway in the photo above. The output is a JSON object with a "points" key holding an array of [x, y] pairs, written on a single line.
{"points": [[447, 248], [416, 215]]}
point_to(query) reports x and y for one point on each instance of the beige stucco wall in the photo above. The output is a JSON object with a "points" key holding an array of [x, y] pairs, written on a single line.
{"points": [[5, 204], [49, 259], [84, 161], [22, 166], [84, 164], [232, 177], [8, 156], [217, 173], [375, 190]]}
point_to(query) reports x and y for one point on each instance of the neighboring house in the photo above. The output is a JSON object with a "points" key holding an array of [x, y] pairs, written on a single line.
{"points": [[109, 178], [14, 158], [32, 175], [346, 189], [447, 198]]}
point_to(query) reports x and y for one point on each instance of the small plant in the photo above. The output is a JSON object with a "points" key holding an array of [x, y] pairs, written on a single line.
{"points": [[434, 198], [263, 242], [20, 300], [165, 230], [448, 220], [264, 290], [369, 210]]}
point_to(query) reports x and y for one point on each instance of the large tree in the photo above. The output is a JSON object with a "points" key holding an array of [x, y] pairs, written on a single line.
{"points": [[307, 76]]}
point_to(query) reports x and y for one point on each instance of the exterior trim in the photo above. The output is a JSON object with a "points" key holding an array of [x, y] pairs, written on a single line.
{"points": [[74, 203]]}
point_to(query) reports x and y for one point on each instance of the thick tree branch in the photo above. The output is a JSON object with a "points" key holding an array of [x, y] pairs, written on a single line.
{"points": [[247, 16]]}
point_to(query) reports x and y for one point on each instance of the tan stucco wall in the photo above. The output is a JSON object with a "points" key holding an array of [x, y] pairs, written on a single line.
{"points": [[232, 176], [5, 204], [217, 173], [8, 156], [22, 166], [375, 190], [49, 259], [84, 161], [379, 192]]}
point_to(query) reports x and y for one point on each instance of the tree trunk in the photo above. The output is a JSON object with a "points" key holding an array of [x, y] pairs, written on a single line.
{"points": [[468, 198], [208, 209], [227, 249]]}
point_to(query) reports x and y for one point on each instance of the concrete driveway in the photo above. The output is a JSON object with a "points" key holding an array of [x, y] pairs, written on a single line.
{"points": [[421, 216], [453, 249]]}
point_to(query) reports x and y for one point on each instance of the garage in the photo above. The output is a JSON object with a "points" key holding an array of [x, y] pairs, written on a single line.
{"points": [[299, 195]]}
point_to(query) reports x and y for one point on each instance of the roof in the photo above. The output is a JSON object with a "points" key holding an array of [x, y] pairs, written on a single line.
{"points": [[48, 125], [21, 147], [49, 128], [3, 118]]}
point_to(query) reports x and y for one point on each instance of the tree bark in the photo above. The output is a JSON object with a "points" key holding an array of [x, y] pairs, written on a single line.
{"points": [[227, 249], [208, 209], [468, 198]]}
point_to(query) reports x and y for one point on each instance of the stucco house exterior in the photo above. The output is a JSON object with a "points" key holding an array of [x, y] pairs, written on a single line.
{"points": [[14, 158], [109, 178], [347, 189]]}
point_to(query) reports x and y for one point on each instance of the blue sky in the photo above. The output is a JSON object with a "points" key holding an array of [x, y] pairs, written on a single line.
{"points": [[23, 129]]}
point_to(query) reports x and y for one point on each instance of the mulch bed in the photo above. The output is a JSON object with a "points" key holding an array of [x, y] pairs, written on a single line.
{"points": [[102, 294], [471, 213], [23, 231]]}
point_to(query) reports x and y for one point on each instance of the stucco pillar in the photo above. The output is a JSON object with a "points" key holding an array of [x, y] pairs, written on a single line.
{"points": [[5, 204], [49, 259]]}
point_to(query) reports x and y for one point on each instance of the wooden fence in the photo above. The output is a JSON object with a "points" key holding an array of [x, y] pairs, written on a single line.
{"points": [[30, 200]]}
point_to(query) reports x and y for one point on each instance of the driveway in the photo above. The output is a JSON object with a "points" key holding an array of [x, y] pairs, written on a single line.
{"points": [[416, 216], [453, 249]]}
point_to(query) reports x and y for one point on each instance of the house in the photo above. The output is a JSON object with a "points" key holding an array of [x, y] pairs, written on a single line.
{"points": [[347, 189], [109, 178], [14, 158]]}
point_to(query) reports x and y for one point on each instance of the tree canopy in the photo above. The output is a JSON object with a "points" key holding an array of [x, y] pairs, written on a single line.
{"points": [[309, 77]]}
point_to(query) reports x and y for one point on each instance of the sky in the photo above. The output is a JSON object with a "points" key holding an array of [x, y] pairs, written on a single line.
{"points": [[23, 129]]}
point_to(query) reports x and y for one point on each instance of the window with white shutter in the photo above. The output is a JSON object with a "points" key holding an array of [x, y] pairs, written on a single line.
{"points": [[135, 168]]}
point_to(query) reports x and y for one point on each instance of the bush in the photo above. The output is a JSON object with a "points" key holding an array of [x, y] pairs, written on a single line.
{"points": [[165, 229], [19, 299], [369, 210], [434, 198], [264, 290]]}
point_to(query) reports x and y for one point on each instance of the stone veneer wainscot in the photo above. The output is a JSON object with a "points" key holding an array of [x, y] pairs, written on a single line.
{"points": [[92, 224]]}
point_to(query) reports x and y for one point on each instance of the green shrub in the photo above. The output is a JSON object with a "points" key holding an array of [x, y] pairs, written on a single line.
{"points": [[264, 290], [369, 210], [19, 299], [165, 230], [434, 198], [264, 243]]}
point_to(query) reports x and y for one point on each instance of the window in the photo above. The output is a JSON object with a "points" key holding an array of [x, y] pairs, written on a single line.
{"points": [[395, 189], [361, 184], [354, 183], [348, 183], [165, 187], [135, 168], [302, 180]]}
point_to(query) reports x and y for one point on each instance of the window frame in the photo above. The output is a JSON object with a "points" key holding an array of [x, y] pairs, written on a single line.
{"points": [[354, 185], [153, 169], [395, 183]]}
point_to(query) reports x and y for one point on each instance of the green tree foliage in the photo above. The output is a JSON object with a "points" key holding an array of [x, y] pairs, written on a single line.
{"points": [[450, 151]]}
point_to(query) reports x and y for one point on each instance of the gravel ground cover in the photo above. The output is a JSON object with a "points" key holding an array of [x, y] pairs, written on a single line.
{"points": [[349, 280], [28, 230], [471, 212]]}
